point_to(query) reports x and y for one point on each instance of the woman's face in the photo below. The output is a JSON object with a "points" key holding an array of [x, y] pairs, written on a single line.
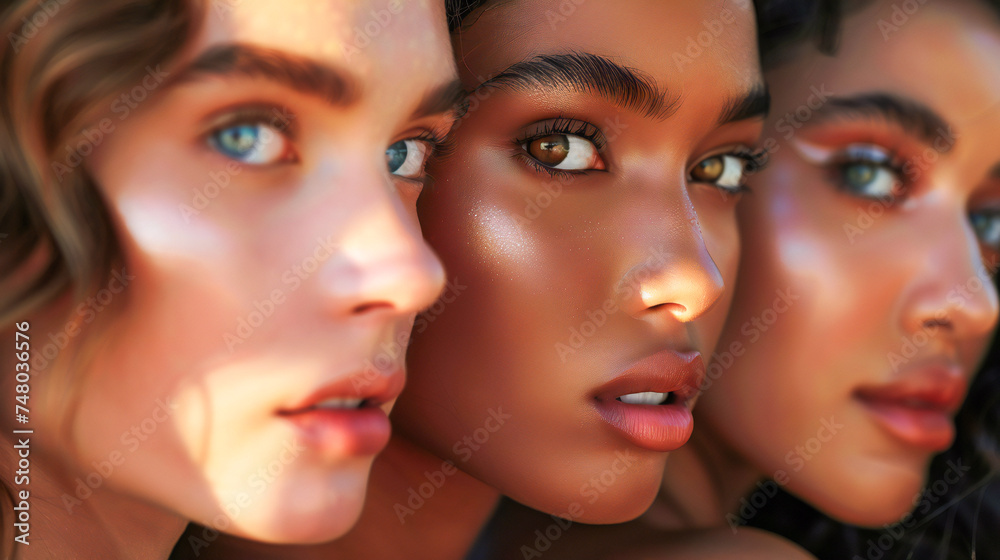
{"points": [[263, 189], [863, 305], [586, 220]]}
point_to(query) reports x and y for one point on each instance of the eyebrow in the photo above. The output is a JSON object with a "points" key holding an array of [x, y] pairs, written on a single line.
{"points": [[628, 88], [755, 103], [912, 116], [311, 77], [303, 74]]}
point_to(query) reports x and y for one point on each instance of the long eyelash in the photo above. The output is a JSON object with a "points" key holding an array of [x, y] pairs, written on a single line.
{"points": [[562, 125], [756, 159]]}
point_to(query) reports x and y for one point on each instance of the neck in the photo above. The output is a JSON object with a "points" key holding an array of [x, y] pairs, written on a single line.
{"points": [[702, 486], [63, 523], [419, 503]]}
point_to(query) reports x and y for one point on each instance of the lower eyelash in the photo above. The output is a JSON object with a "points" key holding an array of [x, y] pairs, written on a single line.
{"points": [[564, 174]]}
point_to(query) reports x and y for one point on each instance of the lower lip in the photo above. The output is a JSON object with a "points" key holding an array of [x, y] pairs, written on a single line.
{"points": [[663, 427], [929, 429], [344, 432]]}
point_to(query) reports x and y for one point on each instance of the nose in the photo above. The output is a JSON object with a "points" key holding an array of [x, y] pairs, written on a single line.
{"points": [[952, 288], [675, 275], [382, 264]]}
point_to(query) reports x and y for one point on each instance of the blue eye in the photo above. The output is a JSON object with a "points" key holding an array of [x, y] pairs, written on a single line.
{"points": [[406, 158], [986, 224], [252, 143], [868, 171]]}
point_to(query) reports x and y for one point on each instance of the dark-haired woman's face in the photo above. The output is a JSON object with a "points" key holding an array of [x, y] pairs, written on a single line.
{"points": [[864, 305], [586, 220]]}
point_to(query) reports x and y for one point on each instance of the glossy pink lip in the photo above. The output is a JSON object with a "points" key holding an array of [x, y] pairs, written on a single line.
{"points": [[917, 408], [359, 431], [663, 427]]}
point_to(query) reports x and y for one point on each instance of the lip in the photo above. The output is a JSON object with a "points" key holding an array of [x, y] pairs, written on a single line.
{"points": [[348, 431], [662, 427], [917, 408]]}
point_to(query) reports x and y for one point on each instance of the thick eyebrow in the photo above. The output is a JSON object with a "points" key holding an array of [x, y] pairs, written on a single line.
{"points": [[308, 76], [628, 88], [303, 74], [755, 103], [912, 116]]}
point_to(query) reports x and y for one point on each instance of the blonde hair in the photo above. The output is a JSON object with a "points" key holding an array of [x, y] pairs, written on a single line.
{"points": [[61, 61]]}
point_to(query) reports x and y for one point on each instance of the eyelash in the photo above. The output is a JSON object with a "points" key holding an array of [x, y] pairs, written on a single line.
{"points": [[560, 125], [756, 161]]}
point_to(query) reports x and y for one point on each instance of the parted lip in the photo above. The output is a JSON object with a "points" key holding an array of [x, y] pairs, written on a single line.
{"points": [[667, 371], [373, 387], [936, 386]]}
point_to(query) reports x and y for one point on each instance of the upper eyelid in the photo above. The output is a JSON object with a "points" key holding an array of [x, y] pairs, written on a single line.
{"points": [[279, 117], [577, 126]]}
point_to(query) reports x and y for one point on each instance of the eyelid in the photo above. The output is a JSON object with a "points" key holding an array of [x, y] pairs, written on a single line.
{"points": [[279, 117], [563, 125]]}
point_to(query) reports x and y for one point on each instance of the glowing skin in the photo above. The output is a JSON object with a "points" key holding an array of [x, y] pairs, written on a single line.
{"points": [[290, 281], [846, 386], [637, 231], [643, 224]]}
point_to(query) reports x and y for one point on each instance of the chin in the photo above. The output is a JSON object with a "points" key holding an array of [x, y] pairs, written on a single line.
{"points": [[624, 497], [876, 504], [298, 527], [303, 510]]}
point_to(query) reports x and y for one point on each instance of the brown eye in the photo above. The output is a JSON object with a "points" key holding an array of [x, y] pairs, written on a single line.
{"points": [[564, 151], [708, 170], [726, 171], [550, 150]]}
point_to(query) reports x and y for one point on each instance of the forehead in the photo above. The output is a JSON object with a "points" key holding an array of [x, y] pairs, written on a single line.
{"points": [[943, 55], [371, 39], [675, 41]]}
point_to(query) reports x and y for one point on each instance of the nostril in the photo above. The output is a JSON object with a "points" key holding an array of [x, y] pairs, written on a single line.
{"points": [[936, 323], [371, 306]]}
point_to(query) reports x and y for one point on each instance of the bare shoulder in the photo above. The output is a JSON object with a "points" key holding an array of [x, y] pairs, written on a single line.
{"points": [[720, 544]]}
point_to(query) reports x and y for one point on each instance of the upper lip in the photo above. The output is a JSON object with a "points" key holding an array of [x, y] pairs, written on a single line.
{"points": [[374, 387], [667, 371], [931, 386]]}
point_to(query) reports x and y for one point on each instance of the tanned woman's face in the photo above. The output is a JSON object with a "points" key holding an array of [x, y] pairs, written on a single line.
{"points": [[865, 298], [585, 216]]}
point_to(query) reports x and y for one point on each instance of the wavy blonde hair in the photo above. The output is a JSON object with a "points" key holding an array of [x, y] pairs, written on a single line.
{"points": [[62, 60]]}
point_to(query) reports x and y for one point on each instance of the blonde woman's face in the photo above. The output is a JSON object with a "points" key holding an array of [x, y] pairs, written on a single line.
{"points": [[263, 190]]}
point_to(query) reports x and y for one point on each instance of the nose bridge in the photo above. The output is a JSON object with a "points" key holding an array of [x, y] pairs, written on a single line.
{"points": [[382, 262], [674, 272], [952, 285]]}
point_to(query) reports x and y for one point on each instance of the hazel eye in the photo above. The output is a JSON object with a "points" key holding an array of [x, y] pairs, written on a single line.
{"points": [[564, 151], [407, 158], [252, 143], [868, 171]]}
